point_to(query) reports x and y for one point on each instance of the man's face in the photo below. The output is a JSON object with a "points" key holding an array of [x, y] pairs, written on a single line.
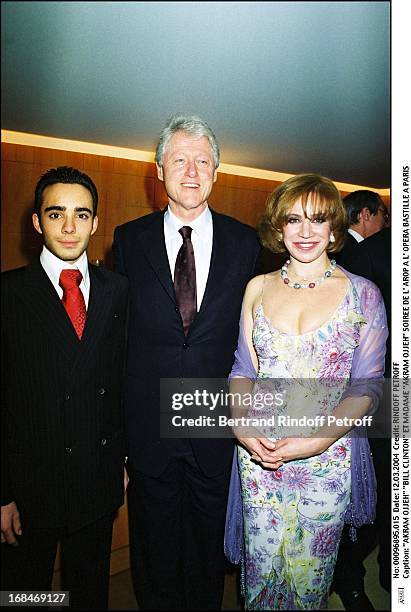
{"points": [[188, 173], [66, 220], [375, 223]]}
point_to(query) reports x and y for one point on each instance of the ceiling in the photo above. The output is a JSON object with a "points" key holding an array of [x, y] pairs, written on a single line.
{"points": [[286, 86]]}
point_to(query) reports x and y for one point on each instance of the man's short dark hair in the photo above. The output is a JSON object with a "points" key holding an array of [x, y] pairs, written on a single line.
{"points": [[64, 174], [363, 198]]}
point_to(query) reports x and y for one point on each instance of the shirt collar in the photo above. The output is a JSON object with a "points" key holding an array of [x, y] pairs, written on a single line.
{"points": [[200, 225], [356, 235], [54, 265]]}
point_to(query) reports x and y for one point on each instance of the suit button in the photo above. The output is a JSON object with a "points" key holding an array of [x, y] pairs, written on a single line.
{"points": [[116, 316], [102, 391], [67, 397], [68, 450], [176, 308], [185, 345], [103, 442]]}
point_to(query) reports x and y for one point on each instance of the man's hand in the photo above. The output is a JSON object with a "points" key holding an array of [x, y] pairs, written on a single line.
{"points": [[10, 524]]}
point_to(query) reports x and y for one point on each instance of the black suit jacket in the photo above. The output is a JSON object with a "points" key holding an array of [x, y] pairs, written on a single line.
{"points": [[342, 256], [371, 258], [62, 411], [157, 346]]}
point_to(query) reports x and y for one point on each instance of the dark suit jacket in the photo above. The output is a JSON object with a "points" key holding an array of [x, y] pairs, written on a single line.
{"points": [[342, 256], [62, 412], [157, 346], [371, 258]]}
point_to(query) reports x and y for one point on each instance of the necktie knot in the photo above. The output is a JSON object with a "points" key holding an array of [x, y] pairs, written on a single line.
{"points": [[70, 279], [185, 231]]}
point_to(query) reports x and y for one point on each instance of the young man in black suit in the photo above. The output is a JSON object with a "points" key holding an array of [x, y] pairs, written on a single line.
{"points": [[63, 337], [187, 267]]}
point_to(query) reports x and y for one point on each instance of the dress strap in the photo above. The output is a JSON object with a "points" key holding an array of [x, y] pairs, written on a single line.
{"points": [[262, 291]]}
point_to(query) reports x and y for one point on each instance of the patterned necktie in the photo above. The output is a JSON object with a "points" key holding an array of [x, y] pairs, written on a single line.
{"points": [[73, 299], [185, 279]]}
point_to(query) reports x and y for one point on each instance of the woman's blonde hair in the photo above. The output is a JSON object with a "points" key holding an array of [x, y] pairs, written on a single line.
{"points": [[325, 199]]}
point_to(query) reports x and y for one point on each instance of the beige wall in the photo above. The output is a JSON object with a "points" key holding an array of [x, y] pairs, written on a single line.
{"points": [[127, 190]]}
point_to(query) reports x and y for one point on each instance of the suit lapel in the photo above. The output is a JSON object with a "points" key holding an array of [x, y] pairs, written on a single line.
{"points": [[99, 306], [153, 243], [41, 297], [154, 246], [218, 263]]}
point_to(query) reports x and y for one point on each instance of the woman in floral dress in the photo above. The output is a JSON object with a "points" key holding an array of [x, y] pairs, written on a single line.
{"points": [[305, 329]]}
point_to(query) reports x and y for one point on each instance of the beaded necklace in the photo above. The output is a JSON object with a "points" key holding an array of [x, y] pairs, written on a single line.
{"points": [[310, 284]]}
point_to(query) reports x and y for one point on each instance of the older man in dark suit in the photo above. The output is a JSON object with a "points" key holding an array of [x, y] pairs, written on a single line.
{"points": [[371, 258], [187, 267], [63, 337], [367, 215]]}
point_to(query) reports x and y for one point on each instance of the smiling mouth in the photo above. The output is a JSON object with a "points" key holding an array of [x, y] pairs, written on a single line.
{"points": [[305, 246], [191, 185], [68, 244]]}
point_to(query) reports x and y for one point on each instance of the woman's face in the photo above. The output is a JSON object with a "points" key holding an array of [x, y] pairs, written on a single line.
{"points": [[306, 237]]}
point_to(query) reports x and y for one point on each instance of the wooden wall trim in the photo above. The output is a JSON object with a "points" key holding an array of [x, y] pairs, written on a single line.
{"points": [[127, 189], [63, 144]]}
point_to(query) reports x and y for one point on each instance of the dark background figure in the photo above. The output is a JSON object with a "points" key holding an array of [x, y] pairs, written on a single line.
{"points": [[178, 488], [367, 215], [371, 258], [63, 446]]}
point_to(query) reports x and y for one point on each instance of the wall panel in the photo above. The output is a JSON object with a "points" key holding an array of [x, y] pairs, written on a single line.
{"points": [[127, 189]]}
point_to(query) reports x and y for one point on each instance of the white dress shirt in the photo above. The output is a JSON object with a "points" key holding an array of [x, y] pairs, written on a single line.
{"points": [[202, 239], [53, 266], [356, 235]]}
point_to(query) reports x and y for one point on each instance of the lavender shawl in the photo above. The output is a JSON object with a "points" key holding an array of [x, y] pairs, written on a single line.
{"points": [[366, 380]]}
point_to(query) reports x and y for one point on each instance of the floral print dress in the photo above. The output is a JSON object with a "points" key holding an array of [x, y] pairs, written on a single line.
{"points": [[293, 516]]}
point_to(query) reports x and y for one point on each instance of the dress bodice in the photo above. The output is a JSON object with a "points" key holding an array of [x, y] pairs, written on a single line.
{"points": [[307, 373], [325, 352]]}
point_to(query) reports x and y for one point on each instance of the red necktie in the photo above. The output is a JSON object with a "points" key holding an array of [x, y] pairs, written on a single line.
{"points": [[73, 299], [185, 279]]}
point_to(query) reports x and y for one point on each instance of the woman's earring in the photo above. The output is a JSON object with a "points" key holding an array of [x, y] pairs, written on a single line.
{"points": [[332, 237]]}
